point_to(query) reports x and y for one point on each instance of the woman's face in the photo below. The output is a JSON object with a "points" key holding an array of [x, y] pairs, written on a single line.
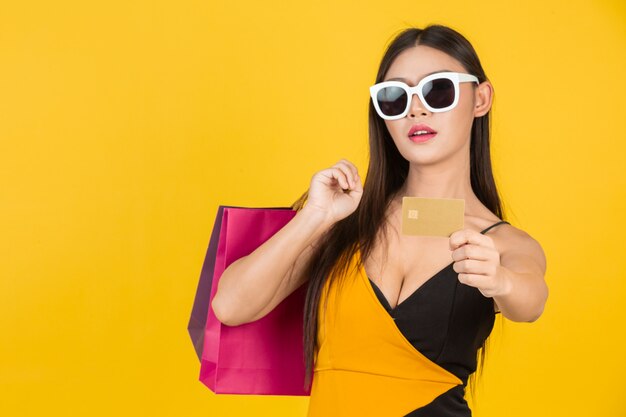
{"points": [[453, 127]]}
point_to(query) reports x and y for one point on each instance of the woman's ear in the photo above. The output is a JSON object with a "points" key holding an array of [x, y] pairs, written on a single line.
{"points": [[483, 97]]}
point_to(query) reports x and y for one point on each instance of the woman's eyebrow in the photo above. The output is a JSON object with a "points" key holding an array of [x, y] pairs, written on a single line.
{"points": [[426, 75]]}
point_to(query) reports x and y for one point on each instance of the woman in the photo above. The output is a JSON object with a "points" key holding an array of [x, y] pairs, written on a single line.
{"points": [[394, 324]]}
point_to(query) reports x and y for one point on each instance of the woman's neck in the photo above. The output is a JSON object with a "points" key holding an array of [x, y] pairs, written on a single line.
{"points": [[438, 181]]}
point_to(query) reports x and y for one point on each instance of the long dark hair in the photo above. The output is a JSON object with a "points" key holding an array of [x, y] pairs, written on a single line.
{"points": [[386, 173]]}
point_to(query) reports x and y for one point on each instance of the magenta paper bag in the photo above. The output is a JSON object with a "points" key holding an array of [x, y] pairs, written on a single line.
{"points": [[265, 357], [197, 321]]}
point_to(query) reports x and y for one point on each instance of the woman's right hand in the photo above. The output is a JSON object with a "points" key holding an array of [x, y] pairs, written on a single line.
{"points": [[327, 195]]}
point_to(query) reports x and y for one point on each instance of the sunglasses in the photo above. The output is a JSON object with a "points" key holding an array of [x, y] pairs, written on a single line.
{"points": [[439, 92]]}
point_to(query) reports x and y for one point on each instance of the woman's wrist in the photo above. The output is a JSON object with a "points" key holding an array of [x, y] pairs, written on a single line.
{"points": [[315, 219]]}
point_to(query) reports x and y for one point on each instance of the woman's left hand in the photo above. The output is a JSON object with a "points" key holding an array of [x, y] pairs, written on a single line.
{"points": [[477, 261]]}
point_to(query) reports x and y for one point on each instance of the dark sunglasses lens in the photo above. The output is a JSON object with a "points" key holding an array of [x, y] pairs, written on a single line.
{"points": [[392, 100], [439, 93]]}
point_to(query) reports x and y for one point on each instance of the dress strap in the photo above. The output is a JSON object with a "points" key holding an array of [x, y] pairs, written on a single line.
{"points": [[495, 224]]}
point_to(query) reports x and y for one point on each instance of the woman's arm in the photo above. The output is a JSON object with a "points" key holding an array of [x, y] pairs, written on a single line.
{"points": [[522, 270], [253, 285], [511, 271]]}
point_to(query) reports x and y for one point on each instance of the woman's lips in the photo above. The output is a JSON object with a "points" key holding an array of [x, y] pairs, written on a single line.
{"points": [[428, 133], [421, 127], [422, 138]]}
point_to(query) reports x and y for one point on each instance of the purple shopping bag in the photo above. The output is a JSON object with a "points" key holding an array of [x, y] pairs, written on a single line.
{"points": [[265, 357]]}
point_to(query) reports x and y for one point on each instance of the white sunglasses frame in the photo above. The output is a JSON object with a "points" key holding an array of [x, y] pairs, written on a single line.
{"points": [[455, 77]]}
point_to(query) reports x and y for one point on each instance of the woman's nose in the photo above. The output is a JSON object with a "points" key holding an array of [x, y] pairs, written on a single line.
{"points": [[417, 107]]}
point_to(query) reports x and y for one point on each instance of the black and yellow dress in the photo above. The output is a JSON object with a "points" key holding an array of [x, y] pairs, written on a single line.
{"points": [[411, 360]]}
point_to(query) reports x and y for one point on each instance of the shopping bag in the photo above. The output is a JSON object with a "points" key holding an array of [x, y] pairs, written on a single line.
{"points": [[201, 304], [264, 357]]}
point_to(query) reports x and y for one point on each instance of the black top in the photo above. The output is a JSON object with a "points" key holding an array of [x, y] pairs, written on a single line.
{"points": [[447, 322]]}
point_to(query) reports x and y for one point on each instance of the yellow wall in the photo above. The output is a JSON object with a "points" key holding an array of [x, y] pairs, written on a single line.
{"points": [[124, 124]]}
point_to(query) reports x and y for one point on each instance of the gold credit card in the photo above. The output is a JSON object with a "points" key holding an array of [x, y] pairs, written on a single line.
{"points": [[423, 216]]}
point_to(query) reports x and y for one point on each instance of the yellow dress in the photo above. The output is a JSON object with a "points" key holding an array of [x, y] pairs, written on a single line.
{"points": [[364, 364]]}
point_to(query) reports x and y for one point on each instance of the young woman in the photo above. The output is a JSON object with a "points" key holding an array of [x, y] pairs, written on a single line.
{"points": [[395, 324]]}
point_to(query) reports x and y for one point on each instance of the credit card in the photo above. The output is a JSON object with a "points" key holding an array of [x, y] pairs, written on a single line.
{"points": [[422, 216]]}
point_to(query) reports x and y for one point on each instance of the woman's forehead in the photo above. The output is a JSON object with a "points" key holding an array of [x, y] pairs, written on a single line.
{"points": [[420, 61]]}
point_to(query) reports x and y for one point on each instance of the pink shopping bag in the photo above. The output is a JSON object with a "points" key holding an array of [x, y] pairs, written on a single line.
{"points": [[265, 357]]}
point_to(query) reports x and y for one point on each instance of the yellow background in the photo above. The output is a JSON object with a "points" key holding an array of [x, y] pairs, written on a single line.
{"points": [[124, 124]]}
